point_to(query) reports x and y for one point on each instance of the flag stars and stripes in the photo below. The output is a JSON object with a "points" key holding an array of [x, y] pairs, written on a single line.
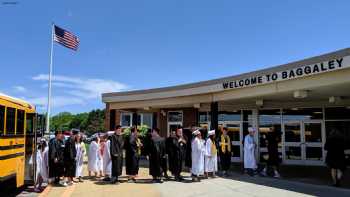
{"points": [[66, 38]]}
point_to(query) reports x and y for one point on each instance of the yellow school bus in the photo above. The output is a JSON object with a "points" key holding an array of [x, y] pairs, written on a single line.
{"points": [[17, 142]]}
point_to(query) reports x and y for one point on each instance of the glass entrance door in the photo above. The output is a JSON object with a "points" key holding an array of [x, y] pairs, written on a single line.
{"points": [[313, 142], [236, 135], [303, 142]]}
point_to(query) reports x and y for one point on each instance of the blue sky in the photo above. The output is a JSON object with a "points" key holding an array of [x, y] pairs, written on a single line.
{"points": [[128, 45]]}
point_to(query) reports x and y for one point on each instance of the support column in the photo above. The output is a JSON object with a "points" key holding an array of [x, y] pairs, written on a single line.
{"points": [[214, 124]]}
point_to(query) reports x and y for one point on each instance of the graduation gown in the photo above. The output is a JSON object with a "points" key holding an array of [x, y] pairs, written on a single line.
{"points": [[132, 155], [211, 158], [106, 157], [39, 160], [56, 151], [170, 152], [45, 164], [93, 156], [249, 153], [156, 152], [198, 150], [70, 154], [116, 151], [80, 147], [178, 153], [100, 156]]}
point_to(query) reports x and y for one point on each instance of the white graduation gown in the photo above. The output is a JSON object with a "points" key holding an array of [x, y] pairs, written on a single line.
{"points": [[39, 160], [45, 164], [211, 161], [198, 151], [79, 160], [100, 159], [93, 157], [106, 157], [249, 153]]}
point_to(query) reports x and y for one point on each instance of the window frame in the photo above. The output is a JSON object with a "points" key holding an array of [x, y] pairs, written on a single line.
{"points": [[121, 119], [2, 119], [22, 121], [14, 119]]}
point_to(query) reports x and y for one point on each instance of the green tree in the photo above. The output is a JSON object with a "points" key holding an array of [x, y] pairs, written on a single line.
{"points": [[89, 122]]}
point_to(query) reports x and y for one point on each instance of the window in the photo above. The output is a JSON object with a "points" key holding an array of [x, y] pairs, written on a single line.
{"points": [[10, 120], [174, 116], [126, 120], [147, 119], [229, 116], [30, 121], [20, 122], [296, 114], [204, 117], [2, 117], [337, 113]]}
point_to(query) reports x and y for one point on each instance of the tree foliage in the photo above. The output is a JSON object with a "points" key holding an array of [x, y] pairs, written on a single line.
{"points": [[89, 122]]}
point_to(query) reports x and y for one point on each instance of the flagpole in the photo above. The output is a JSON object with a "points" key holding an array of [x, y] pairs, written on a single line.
{"points": [[50, 77]]}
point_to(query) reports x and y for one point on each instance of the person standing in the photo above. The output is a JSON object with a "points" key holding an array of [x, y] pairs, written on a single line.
{"points": [[70, 154], [94, 156], [179, 148], [45, 161], [107, 162], [40, 170], [335, 158], [132, 154], [211, 161], [56, 158], [80, 147], [249, 152], [169, 145], [116, 151], [156, 153], [198, 150], [272, 148], [225, 151], [100, 160]]}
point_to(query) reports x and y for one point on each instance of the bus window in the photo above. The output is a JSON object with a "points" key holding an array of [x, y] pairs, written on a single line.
{"points": [[30, 121], [2, 117], [20, 122], [10, 120]]}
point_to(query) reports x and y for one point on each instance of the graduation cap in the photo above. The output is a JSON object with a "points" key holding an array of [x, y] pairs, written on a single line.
{"points": [[75, 131], [211, 132], [196, 132]]}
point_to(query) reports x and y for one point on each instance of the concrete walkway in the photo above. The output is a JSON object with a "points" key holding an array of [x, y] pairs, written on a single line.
{"points": [[236, 185]]}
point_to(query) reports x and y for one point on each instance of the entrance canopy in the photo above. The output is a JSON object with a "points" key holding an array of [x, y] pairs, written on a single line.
{"points": [[321, 80]]}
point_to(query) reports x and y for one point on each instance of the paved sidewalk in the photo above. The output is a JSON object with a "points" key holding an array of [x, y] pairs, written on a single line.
{"points": [[235, 185]]}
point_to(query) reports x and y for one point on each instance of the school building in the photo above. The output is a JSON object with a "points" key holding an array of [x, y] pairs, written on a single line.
{"points": [[303, 100]]}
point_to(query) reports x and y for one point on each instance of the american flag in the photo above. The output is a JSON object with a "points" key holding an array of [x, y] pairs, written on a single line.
{"points": [[66, 38]]}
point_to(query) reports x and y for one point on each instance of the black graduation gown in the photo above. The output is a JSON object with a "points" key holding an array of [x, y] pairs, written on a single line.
{"points": [[70, 154], [178, 154], [335, 158], [132, 156], [156, 152], [56, 151], [225, 158], [170, 151], [272, 148], [116, 151]]}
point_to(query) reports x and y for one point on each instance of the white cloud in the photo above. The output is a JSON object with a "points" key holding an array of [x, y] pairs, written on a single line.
{"points": [[57, 101], [83, 88], [20, 89]]}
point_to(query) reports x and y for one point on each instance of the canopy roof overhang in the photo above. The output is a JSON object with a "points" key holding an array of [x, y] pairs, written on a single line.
{"points": [[319, 87]]}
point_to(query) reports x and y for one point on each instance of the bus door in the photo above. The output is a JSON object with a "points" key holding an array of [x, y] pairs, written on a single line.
{"points": [[29, 149]]}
